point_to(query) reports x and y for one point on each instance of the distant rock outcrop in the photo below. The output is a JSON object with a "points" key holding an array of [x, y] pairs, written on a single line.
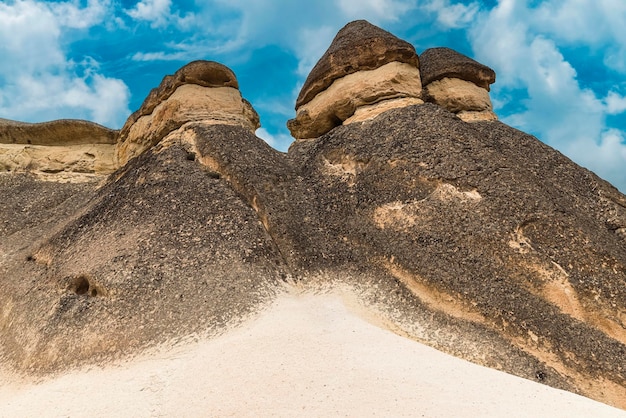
{"points": [[200, 91], [476, 239], [64, 150]]}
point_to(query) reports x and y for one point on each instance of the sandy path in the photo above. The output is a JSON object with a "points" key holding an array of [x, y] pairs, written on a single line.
{"points": [[306, 356]]}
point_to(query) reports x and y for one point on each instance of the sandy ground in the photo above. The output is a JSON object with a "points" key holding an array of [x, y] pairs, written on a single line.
{"points": [[307, 355]]}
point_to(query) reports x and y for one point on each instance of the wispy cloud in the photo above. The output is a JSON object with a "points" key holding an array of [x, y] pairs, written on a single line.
{"points": [[47, 84]]}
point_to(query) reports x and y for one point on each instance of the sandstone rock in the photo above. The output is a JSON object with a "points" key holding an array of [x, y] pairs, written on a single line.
{"points": [[369, 112], [201, 90], [345, 95], [357, 46], [56, 132], [58, 163], [437, 63], [456, 95], [59, 150], [474, 116]]}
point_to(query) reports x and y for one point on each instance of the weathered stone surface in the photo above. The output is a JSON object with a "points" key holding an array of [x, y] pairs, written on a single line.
{"points": [[201, 90], [438, 63], [358, 46], [475, 116], [56, 132], [521, 261], [59, 150], [369, 112], [218, 105], [345, 95], [201, 73], [456, 95], [59, 163]]}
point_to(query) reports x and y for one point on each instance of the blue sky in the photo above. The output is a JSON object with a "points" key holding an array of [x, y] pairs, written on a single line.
{"points": [[560, 65]]}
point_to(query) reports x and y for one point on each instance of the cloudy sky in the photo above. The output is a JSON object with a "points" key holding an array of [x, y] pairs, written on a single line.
{"points": [[560, 64]]}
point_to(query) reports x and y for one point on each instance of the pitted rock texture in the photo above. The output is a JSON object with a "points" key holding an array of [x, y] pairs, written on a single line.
{"points": [[201, 90], [58, 163], [340, 101], [437, 63], [521, 264], [357, 46], [59, 150]]}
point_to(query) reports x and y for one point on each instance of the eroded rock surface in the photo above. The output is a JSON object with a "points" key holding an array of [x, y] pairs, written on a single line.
{"points": [[457, 83], [357, 46], [363, 66], [60, 150], [200, 91], [342, 99], [438, 63], [476, 239]]}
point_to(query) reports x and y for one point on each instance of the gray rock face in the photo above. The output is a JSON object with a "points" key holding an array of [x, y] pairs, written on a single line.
{"points": [[358, 46], [437, 63]]}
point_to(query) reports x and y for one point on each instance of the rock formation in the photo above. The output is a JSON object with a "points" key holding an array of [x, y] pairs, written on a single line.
{"points": [[364, 72], [71, 150], [367, 71], [457, 83], [476, 239], [200, 91]]}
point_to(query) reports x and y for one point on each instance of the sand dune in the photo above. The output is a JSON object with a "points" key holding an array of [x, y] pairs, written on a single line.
{"points": [[306, 355]]}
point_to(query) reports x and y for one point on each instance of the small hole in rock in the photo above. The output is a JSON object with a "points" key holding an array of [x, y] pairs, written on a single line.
{"points": [[81, 285], [191, 156]]}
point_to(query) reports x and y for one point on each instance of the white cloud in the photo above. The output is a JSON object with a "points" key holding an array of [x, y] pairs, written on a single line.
{"points": [[157, 12], [615, 103], [46, 84], [277, 141], [453, 15], [376, 11], [605, 157], [596, 23], [70, 14]]}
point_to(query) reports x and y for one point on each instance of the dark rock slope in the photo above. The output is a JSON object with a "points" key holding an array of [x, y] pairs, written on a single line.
{"points": [[475, 238]]}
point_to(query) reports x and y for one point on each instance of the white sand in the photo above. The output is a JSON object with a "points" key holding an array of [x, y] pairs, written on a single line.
{"points": [[306, 356]]}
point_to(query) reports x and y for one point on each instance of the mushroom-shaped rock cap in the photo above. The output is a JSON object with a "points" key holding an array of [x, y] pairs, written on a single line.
{"points": [[202, 73], [438, 63], [357, 46]]}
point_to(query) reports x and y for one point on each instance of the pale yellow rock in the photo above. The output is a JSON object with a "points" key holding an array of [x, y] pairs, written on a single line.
{"points": [[340, 101], [59, 163], [458, 95], [473, 116], [189, 103], [364, 113]]}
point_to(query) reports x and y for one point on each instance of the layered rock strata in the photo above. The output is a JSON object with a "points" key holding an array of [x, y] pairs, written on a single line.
{"points": [[364, 72], [457, 83], [200, 91], [60, 150]]}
